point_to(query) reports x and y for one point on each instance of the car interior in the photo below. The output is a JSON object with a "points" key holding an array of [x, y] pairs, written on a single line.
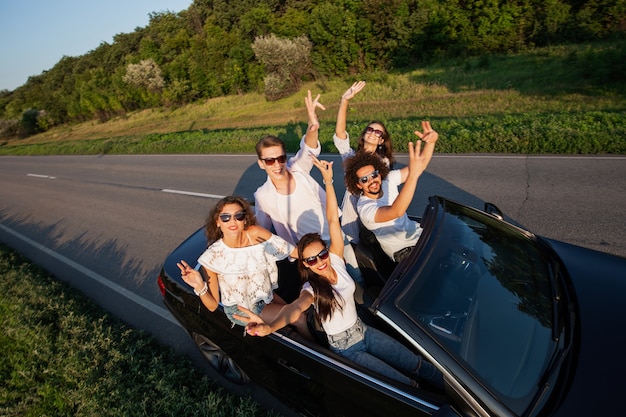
{"points": [[376, 267]]}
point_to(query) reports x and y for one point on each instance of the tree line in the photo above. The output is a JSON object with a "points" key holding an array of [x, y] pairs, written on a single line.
{"points": [[221, 47]]}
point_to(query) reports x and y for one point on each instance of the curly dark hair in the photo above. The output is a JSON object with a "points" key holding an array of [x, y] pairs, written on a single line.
{"points": [[385, 150], [359, 160], [326, 298], [213, 232]]}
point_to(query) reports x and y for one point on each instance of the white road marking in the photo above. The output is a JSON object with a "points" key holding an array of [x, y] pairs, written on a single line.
{"points": [[159, 311], [41, 176], [165, 190]]}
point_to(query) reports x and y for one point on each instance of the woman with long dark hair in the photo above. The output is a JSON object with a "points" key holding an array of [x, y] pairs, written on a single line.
{"points": [[374, 139], [329, 288]]}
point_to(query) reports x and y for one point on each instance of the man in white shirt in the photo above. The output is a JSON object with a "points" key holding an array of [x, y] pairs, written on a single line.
{"points": [[381, 207], [291, 202]]}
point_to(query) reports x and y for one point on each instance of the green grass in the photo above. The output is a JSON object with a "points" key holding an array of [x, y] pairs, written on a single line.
{"points": [[555, 100], [63, 356]]}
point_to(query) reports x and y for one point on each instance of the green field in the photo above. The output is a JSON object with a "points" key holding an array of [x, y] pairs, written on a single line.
{"points": [[63, 356], [555, 100]]}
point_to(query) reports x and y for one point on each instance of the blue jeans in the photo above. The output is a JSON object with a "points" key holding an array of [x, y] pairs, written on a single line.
{"points": [[256, 308], [377, 351]]}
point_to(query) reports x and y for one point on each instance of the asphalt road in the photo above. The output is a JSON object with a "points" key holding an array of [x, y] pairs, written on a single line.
{"points": [[105, 223]]}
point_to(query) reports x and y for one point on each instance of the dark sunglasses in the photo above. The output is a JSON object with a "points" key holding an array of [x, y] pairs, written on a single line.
{"points": [[312, 260], [377, 132], [239, 216], [270, 161], [365, 179]]}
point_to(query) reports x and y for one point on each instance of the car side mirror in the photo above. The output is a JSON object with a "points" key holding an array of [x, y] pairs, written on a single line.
{"points": [[492, 209]]}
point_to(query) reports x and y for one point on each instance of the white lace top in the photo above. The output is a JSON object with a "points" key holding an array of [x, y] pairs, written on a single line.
{"points": [[249, 274]]}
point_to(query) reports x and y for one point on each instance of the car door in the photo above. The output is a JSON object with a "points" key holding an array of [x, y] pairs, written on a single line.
{"points": [[312, 378]]}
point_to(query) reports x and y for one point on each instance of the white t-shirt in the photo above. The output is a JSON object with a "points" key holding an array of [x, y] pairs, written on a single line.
{"points": [[395, 234], [349, 216], [301, 212], [249, 274], [341, 320]]}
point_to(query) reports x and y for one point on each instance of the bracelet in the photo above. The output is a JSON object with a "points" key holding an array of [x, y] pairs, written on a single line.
{"points": [[331, 181], [202, 291]]}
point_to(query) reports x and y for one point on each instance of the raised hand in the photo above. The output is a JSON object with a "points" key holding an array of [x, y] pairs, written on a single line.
{"points": [[354, 90], [325, 167], [429, 135], [311, 107], [191, 276], [419, 158]]}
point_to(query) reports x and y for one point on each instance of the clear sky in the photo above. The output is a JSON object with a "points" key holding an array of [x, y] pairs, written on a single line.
{"points": [[36, 34]]}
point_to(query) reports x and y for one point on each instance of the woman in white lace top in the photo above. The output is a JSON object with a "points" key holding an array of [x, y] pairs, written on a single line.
{"points": [[240, 262]]}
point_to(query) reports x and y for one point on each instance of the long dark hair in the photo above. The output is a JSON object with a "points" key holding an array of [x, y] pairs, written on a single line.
{"points": [[385, 149], [326, 298], [213, 232]]}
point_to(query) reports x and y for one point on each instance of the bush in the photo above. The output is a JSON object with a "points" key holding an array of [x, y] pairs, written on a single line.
{"points": [[146, 74], [29, 125], [8, 128], [286, 61]]}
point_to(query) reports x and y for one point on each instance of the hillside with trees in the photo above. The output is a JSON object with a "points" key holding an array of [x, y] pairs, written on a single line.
{"points": [[219, 48]]}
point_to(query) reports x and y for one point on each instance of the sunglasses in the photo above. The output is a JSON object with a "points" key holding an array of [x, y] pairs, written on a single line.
{"points": [[377, 132], [312, 260], [239, 216], [270, 161], [366, 179]]}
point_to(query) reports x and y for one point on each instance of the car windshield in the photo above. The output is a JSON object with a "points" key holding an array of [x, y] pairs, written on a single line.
{"points": [[485, 295]]}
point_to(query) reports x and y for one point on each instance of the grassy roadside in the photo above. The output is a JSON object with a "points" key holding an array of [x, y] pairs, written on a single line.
{"points": [[597, 132], [555, 100], [63, 356]]}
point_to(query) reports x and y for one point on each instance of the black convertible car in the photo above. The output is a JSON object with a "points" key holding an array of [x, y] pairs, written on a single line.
{"points": [[520, 325]]}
